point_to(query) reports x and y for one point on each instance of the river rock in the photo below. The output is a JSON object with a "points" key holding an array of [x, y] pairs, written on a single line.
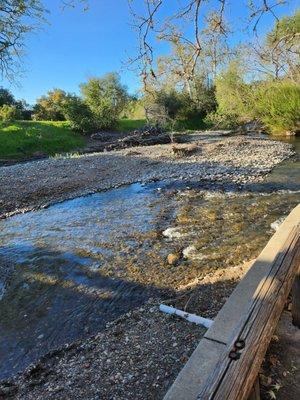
{"points": [[192, 253], [173, 258], [172, 233]]}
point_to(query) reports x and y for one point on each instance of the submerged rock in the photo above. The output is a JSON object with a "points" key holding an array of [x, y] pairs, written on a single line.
{"points": [[173, 258], [193, 253], [173, 233]]}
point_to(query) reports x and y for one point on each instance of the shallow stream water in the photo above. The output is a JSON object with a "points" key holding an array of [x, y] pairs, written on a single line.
{"points": [[67, 270]]}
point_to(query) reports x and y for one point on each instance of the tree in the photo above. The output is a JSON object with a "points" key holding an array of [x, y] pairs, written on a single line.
{"points": [[231, 90], [50, 106], [6, 97], [17, 19], [106, 98], [277, 55], [158, 20], [9, 113], [79, 115]]}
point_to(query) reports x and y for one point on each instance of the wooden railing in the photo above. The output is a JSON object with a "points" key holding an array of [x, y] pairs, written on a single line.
{"points": [[226, 362]]}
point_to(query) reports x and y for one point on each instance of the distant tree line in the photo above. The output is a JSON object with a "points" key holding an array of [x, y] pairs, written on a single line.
{"points": [[102, 102], [204, 79]]}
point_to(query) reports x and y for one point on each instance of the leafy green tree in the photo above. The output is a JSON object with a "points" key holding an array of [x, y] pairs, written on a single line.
{"points": [[106, 98], [49, 107], [6, 97], [277, 56], [232, 93], [277, 105], [17, 19], [9, 113], [79, 115]]}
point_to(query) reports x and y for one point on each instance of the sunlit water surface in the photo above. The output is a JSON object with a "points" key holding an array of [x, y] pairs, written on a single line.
{"points": [[67, 270]]}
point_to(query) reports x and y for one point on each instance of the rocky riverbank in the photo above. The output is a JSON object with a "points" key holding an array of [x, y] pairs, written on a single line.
{"points": [[239, 160]]}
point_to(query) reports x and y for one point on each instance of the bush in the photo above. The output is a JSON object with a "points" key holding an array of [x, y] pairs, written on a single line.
{"points": [[106, 97], [79, 115], [9, 113], [277, 105], [50, 106], [233, 96], [222, 121]]}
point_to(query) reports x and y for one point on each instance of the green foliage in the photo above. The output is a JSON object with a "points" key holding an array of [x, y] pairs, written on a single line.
{"points": [[106, 98], [129, 125], [24, 138], [277, 105], [6, 97], [232, 94], [134, 109], [286, 28], [222, 121], [191, 124], [79, 115], [50, 106], [9, 113], [177, 107]]}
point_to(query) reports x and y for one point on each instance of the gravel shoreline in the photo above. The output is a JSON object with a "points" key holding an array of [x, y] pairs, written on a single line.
{"points": [[37, 184]]}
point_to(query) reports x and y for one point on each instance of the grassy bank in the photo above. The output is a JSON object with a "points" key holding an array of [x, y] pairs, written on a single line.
{"points": [[21, 139], [24, 139]]}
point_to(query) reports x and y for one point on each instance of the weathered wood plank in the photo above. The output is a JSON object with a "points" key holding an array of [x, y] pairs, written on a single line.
{"points": [[233, 379], [296, 300], [187, 383], [255, 392]]}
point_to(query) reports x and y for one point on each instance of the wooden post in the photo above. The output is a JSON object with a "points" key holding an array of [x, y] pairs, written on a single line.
{"points": [[296, 300], [255, 392]]}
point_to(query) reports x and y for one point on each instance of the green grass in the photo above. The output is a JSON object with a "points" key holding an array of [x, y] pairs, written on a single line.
{"points": [[21, 139], [128, 125]]}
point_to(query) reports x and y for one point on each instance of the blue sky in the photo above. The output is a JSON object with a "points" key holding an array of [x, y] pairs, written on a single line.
{"points": [[76, 45]]}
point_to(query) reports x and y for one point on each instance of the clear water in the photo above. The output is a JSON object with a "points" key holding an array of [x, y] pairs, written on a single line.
{"points": [[67, 270]]}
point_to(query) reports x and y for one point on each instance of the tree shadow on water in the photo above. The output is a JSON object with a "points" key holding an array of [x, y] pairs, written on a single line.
{"points": [[56, 299]]}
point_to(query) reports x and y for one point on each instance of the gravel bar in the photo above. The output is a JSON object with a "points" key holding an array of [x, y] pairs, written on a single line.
{"points": [[38, 184]]}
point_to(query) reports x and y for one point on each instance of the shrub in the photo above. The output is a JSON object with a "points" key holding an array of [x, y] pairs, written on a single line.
{"points": [[79, 115], [106, 98], [222, 121], [277, 105], [232, 95], [9, 113], [49, 107]]}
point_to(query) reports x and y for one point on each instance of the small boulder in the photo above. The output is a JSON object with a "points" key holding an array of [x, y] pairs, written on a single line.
{"points": [[173, 258], [172, 233]]}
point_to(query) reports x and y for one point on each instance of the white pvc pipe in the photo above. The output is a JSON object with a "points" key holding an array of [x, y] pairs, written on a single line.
{"points": [[189, 317]]}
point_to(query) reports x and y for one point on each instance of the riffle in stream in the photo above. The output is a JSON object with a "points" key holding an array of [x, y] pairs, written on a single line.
{"points": [[67, 270]]}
